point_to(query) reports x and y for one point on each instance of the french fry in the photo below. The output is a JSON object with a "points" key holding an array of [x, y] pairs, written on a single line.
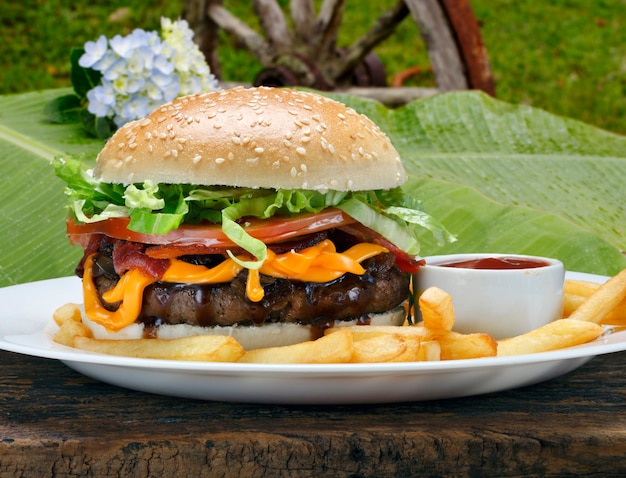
{"points": [[430, 351], [362, 332], [580, 287], [437, 309], [577, 291], [552, 336], [381, 348], [205, 348], [454, 346], [68, 330], [571, 302], [600, 304], [334, 348], [67, 312]]}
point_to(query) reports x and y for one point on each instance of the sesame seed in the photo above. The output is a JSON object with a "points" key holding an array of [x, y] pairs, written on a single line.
{"points": [[212, 114], [287, 143], [350, 183], [217, 126], [303, 168], [316, 117], [276, 164], [149, 148], [236, 140], [219, 160], [252, 161], [162, 135], [293, 172], [231, 156], [196, 159], [259, 150], [331, 148], [341, 116], [301, 151], [128, 159], [121, 145], [306, 139], [288, 135]]}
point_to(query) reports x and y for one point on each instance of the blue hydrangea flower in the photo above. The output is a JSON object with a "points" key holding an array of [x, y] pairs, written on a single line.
{"points": [[144, 70], [101, 100], [94, 52]]}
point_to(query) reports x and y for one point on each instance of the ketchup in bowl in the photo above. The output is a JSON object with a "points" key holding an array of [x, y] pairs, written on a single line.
{"points": [[497, 263], [500, 294]]}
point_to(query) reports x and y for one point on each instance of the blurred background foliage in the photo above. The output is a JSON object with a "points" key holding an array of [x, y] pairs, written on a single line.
{"points": [[565, 56]]}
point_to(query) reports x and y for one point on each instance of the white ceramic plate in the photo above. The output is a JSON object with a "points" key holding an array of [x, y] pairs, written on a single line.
{"points": [[26, 327]]}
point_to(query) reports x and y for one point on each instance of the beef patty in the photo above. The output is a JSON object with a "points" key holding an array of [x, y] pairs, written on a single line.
{"points": [[381, 288]]}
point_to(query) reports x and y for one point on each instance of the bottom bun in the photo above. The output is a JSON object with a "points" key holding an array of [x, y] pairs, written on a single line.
{"points": [[250, 337]]}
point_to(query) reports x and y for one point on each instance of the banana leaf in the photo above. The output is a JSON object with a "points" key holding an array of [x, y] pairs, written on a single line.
{"points": [[502, 177]]}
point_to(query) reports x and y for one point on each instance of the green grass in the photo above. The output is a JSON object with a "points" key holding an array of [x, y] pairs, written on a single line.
{"points": [[565, 56]]}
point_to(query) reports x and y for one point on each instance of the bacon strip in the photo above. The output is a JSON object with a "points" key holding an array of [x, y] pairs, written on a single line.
{"points": [[130, 255]]}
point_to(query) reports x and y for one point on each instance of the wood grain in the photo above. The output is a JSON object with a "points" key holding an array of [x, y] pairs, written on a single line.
{"points": [[55, 422]]}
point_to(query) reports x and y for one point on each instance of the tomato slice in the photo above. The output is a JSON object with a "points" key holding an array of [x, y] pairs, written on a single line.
{"points": [[210, 236]]}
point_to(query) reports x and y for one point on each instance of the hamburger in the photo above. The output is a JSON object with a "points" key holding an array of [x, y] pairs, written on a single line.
{"points": [[262, 213]]}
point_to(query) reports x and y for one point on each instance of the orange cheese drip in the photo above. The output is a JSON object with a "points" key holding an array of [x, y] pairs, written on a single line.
{"points": [[129, 290], [319, 263]]}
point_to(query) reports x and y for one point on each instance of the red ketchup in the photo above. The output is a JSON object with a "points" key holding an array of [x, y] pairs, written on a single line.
{"points": [[497, 263]]}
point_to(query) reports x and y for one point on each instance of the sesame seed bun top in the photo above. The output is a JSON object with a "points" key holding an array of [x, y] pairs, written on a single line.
{"points": [[255, 137]]}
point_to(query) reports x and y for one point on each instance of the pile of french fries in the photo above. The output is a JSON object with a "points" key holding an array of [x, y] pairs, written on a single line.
{"points": [[587, 307]]}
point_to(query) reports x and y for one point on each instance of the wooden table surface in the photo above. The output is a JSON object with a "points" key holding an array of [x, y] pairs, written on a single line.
{"points": [[56, 422]]}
